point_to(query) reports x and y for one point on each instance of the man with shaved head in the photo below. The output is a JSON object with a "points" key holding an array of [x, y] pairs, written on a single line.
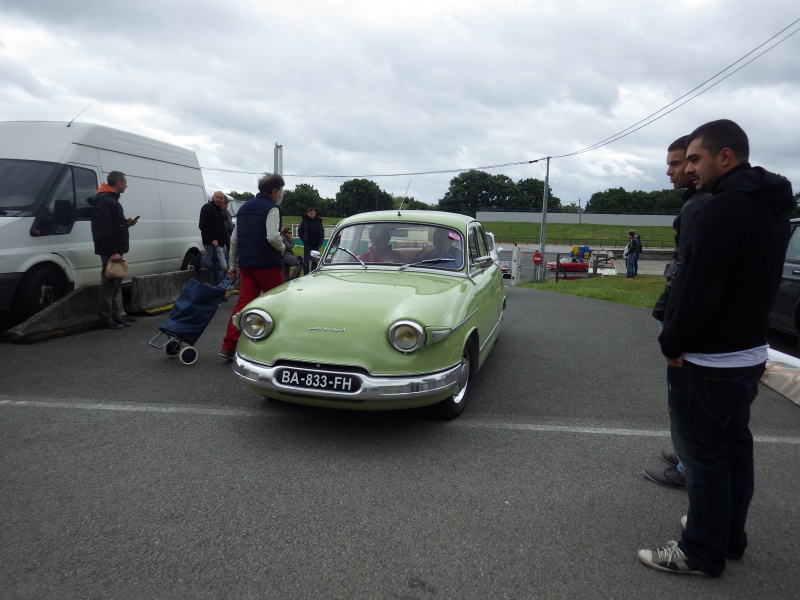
{"points": [[215, 236]]}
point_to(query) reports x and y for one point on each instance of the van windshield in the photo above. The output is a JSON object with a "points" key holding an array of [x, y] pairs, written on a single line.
{"points": [[21, 184]]}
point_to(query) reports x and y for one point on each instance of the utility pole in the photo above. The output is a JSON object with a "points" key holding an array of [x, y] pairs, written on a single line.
{"points": [[278, 170], [542, 268]]}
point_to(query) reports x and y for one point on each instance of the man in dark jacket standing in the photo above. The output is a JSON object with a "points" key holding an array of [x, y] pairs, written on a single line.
{"points": [[256, 251], [715, 343], [312, 233], [684, 225], [214, 231], [110, 236]]}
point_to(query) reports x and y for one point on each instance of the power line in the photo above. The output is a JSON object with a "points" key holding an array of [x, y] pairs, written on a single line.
{"points": [[652, 118]]}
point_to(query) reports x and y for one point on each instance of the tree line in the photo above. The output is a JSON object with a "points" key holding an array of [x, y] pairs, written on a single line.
{"points": [[475, 190]]}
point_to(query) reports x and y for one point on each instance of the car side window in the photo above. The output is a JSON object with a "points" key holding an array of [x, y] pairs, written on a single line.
{"points": [[483, 244], [793, 250], [473, 246]]}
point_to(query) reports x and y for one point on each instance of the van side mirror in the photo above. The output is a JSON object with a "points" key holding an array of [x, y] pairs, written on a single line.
{"points": [[63, 212]]}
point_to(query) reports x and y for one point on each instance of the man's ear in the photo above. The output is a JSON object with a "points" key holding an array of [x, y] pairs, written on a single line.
{"points": [[726, 158]]}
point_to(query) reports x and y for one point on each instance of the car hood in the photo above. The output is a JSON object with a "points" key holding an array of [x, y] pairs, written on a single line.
{"points": [[343, 317], [335, 299]]}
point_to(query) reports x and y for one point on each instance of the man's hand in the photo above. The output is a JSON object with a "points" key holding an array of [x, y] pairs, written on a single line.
{"points": [[232, 273], [675, 362], [215, 243], [115, 258]]}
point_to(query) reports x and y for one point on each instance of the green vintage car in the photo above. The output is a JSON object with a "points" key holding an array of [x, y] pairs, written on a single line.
{"points": [[401, 312]]}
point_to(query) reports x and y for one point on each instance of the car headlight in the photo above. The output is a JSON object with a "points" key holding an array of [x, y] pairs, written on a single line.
{"points": [[407, 336], [256, 324]]}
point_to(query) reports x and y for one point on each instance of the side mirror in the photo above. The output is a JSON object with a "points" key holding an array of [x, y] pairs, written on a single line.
{"points": [[484, 262], [63, 212]]}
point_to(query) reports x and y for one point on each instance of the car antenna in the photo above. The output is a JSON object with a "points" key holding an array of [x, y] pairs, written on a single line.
{"points": [[79, 114], [405, 197]]}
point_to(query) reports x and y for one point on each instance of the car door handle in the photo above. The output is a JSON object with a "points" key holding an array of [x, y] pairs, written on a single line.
{"points": [[796, 272]]}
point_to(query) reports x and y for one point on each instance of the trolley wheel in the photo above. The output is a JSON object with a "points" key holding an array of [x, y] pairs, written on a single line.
{"points": [[173, 348], [188, 355]]}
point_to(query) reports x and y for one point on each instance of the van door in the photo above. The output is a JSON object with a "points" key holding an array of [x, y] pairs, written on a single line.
{"points": [[71, 241]]}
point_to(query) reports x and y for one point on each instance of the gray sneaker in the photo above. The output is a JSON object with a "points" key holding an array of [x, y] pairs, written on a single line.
{"points": [[669, 457], [667, 477], [670, 558], [227, 354]]}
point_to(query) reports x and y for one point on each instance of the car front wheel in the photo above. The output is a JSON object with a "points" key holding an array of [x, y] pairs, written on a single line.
{"points": [[454, 405]]}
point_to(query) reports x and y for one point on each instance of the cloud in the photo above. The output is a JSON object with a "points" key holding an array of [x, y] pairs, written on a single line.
{"points": [[359, 88]]}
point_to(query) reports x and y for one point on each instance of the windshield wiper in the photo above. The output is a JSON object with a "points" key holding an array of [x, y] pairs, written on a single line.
{"points": [[428, 261], [363, 264]]}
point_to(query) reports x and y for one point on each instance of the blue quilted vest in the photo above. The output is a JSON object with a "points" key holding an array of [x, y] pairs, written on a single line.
{"points": [[255, 252]]}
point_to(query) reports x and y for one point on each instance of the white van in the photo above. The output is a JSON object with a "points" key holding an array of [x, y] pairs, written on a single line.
{"points": [[48, 170]]}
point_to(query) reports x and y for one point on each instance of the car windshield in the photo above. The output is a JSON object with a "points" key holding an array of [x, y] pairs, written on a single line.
{"points": [[399, 244], [21, 184]]}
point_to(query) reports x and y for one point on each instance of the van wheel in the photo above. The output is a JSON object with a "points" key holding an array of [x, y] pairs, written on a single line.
{"points": [[39, 289], [190, 261]]}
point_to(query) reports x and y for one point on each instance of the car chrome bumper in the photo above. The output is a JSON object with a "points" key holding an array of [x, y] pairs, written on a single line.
{"points": [[388, 388]]}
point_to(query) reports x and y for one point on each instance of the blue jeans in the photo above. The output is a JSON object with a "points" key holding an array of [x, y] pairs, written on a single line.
{"points": [[307, 257], [631, 265], [214, 261], [709, 411]]}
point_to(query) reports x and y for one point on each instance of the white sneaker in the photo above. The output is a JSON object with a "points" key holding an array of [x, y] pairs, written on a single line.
{"points": [[670, 558]]}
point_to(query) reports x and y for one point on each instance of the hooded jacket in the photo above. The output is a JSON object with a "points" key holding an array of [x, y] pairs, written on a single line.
{"points": [[684, 230], [109, 225], [732, 266]]}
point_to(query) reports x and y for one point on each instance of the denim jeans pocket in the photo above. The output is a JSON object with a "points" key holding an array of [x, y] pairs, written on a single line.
{"points": [[679, 386], [732, 386]]}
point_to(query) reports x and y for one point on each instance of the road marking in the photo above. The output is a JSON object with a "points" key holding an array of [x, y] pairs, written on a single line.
{"points": [[463, 422]]}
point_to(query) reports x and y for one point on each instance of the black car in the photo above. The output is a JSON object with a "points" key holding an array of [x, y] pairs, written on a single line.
{"points": [[785, 314]]}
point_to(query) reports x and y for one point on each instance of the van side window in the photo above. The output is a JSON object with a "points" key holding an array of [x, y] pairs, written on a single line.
{"points": [[51, 221], [85, 188], [67, 202], [793, 250]]}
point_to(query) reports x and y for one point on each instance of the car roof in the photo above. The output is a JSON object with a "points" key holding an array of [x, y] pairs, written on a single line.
{"points": [[435, 217]]}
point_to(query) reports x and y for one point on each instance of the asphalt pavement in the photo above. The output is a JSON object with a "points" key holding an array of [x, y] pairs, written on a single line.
{"points": [[126, 474]]}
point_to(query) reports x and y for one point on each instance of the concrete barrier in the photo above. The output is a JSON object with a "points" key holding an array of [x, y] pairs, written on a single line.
{"points": [[77, 311], [153, 294]]}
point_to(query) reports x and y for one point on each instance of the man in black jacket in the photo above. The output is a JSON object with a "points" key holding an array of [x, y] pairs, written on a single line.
{"points": [[312, 233], [715, 343], [214, 231], [110, 235], [684, 225]]}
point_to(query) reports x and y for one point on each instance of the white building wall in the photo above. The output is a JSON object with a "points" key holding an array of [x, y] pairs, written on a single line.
{"points": [[625, 220]]}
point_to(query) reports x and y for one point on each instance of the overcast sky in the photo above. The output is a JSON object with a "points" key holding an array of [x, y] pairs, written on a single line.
{"points": [[366, 87]]}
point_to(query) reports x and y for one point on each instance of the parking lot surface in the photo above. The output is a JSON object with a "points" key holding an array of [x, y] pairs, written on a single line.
{"points": [[128, 475]]}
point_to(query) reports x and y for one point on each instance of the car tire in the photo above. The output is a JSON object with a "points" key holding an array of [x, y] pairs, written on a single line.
{"points": [[453, 406]]}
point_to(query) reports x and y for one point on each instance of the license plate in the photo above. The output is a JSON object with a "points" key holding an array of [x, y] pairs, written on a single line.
{"points": [[313, 380]]}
